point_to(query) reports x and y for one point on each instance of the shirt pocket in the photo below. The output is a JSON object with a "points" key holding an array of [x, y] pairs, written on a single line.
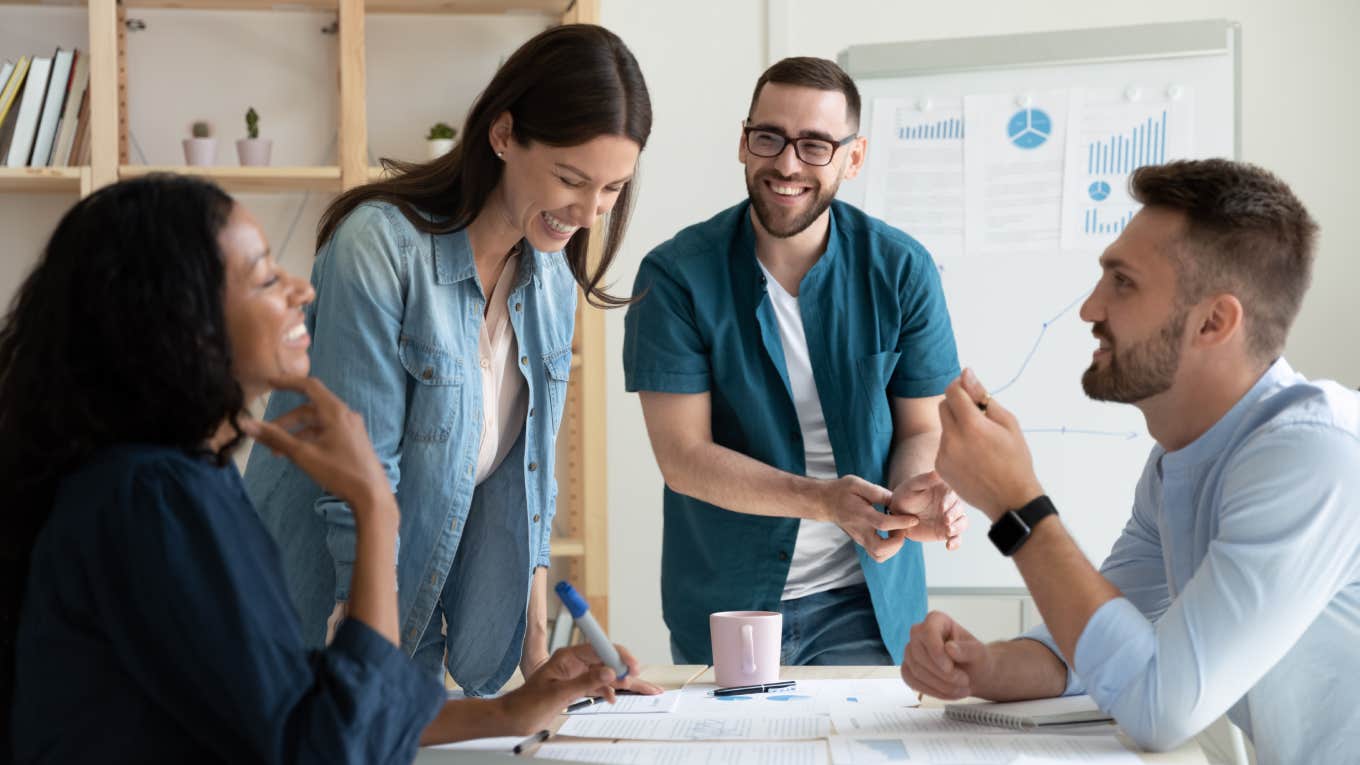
{"points": [[557, 371], [435, 391], [875, 370]]}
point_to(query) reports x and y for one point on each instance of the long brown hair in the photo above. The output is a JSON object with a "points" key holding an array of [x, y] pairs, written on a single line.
{"points": [[564, 87]]}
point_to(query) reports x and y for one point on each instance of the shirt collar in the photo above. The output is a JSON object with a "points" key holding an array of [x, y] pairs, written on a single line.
{"points": [[746, 240], [1217, 438], [453, 261]]}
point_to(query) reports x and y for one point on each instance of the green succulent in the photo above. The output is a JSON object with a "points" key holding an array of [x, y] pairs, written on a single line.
{"points": [[201, 129], [441, 130], [252, 123]]}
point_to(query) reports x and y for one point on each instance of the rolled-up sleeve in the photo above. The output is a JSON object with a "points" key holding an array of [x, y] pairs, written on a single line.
{"points": [[929, 359], [663, 349]]}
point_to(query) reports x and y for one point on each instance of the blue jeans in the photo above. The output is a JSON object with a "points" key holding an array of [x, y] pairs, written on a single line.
{"points": [[833, 627]]}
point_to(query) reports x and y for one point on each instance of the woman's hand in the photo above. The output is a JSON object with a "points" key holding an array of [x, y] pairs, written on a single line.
{"points": [[569, 674], [328, 441]]}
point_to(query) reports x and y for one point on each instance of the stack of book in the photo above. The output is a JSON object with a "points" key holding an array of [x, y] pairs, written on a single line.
{"points": [[44, 110]]}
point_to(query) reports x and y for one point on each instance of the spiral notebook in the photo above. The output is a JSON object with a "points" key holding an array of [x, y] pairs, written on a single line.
{"points": [[1039, 713]]}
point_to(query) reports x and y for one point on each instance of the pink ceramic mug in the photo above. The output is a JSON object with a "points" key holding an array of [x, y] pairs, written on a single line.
{"points": [[745, 646]]}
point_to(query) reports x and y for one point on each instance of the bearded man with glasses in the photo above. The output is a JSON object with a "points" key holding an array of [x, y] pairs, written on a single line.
{"points": [[791, 353]]}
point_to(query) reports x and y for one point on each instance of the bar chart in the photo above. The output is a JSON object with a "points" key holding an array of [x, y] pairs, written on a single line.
{"points": [[1122, 153], [950, 128], [1097, 223]]}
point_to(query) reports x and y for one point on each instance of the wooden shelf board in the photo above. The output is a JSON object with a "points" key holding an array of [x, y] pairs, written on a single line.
{"points": [[485, 7], [27, 180], [250, 178], [568, 548]]}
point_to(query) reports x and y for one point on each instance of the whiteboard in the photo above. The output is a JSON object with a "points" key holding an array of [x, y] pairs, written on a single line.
{"points": [[1015, 314]]}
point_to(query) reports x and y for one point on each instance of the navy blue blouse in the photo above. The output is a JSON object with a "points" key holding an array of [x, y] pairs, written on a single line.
{"points": [[157, 627]]}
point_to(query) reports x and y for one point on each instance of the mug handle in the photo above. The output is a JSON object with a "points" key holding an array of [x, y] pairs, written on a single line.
{"points": [[748, 645]]}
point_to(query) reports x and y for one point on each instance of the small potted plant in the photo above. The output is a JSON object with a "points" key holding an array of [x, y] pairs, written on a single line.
{"points": [[253, 150], [201, 149], [440, 140]]}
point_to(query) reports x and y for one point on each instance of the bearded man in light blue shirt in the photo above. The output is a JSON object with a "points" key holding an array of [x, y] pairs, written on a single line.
{"points": [[1235, 586]]}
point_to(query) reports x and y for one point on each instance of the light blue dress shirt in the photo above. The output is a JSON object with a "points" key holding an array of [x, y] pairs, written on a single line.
{"points": [[1240, 571]]}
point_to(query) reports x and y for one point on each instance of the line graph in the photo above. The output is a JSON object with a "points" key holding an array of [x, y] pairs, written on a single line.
{"points": [[1039, 340]]}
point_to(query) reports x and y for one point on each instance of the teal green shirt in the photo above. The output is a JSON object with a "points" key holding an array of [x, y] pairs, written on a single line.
{"points": [[876, 327]]}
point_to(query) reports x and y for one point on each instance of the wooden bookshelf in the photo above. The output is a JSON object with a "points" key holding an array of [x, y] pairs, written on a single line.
{"points": [[44, 180], [582, 524], [250, 179]]}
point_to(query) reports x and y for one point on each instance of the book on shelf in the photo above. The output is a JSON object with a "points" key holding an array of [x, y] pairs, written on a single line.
{"points": [[72, 111], [1022, 715], [58, 84], [9, 113], [30, 108]]}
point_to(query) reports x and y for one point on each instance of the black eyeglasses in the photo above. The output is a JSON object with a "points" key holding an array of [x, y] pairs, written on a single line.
{"points": [[764, 142]]}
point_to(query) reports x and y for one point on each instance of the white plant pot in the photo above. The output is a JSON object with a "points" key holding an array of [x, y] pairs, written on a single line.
{"points": [[200, 151], [254, 152], [438, 147]]}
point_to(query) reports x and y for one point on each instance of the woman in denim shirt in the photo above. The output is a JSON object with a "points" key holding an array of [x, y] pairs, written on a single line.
{"points": [[444, 315]]}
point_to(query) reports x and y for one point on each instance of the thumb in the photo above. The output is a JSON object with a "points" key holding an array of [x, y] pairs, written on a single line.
{"points": [[965, 650], [586, 683], [923, 481], [871, 492]]}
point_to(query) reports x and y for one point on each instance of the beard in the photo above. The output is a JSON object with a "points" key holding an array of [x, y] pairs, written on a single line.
{"points": [[781, 222], [1142, 371]]}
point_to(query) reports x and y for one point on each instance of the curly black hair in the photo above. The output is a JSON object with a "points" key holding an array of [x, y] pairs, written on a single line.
{"points": [[117, 336]]}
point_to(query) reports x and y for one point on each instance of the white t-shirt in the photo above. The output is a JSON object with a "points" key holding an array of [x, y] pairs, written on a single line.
{"points": [[824, 557]]}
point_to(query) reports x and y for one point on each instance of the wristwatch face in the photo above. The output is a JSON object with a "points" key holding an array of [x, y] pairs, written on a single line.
{"points": [[1008, 532]]}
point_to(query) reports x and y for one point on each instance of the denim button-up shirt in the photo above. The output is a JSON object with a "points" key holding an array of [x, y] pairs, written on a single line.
{"points": [[395, 331]]}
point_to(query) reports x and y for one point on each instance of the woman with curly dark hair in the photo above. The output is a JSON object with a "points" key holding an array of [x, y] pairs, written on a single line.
{"points": [[145, 614]]}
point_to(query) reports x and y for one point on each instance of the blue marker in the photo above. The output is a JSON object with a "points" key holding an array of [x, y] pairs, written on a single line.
{"points": [[580, 612]]}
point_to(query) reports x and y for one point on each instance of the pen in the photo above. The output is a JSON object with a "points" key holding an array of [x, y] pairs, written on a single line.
{"points": [[530, 741], [759, 688], [583, 703], [580, 612]]}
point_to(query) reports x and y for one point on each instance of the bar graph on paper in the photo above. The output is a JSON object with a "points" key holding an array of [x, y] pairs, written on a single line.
{"points": [[1121, 154], [1109, 138], [949, 128]]}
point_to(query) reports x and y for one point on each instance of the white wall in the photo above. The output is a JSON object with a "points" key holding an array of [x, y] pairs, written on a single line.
{"points": [[701, 60]]}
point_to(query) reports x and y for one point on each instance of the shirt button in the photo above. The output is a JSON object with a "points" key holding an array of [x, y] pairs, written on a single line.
{"points": [[453, 526], [518, 306], [524, 360], [533, 466], [531, 411], [469, 470], [434, 580], [535, 517], [486, 364], [427, 374], [783, 555]]}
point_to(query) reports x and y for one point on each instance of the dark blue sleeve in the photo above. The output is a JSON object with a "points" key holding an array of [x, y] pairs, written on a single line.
{"points": [[929, 360], [662, 348], [192, 596]]}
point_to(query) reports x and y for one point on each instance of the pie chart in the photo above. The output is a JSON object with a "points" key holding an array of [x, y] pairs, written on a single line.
{"points": [[1099, 190], [1029, 128]]}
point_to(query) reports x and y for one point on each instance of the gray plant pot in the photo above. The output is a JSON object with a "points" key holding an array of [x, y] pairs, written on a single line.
{"points": [[200, 151], [254, 152]]}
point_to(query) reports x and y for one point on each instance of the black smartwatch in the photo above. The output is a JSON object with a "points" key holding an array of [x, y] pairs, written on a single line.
{"points": [[1012, 529]]}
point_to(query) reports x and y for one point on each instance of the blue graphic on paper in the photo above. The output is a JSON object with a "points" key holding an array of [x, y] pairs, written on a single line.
{"points": [[788, 698], [1099, 190], [1029, 128]]}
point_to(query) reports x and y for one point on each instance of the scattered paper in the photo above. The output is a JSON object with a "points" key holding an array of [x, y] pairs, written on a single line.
{"points": [[808, 697], [676, 727], [984, 749], [790, 753], [627, 704], [498, 744]]}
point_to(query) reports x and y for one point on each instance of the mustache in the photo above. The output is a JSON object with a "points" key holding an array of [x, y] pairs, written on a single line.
{"points": [[775, 175], [1100, 331]]}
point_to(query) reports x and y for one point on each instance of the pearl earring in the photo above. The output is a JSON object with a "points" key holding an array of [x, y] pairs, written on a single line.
{"points": [[500, 155]]}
